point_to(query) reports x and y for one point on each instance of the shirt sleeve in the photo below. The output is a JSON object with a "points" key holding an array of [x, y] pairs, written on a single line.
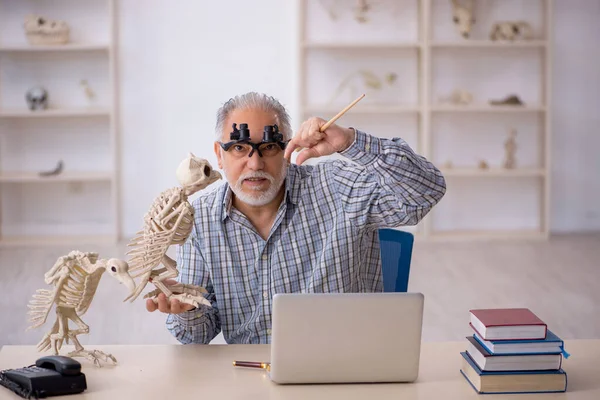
{"points": [[387, 185], [201, 324]]}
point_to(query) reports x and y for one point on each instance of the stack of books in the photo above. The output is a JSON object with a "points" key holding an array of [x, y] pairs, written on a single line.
{"points": [[513, 351]]}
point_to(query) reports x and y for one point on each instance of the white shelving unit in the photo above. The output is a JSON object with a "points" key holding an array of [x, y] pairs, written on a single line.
{"points": [[417, 40], [79, 205]]}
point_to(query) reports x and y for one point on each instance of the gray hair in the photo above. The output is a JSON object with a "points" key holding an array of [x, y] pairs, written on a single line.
{"points": [[259, 101]]}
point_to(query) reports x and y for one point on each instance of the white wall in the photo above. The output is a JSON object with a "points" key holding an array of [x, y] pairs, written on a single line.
{"points": [[179, 63], [576, 108]]}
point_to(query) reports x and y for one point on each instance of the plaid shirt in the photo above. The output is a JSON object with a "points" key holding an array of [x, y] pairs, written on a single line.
{"points": [[324, 238]]}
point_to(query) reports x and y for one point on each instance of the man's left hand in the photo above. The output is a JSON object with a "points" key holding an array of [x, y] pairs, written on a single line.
{"points": [[316, 143]]}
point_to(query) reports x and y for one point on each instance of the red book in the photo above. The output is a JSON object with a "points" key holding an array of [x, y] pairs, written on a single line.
{"points": [[507, 324]]}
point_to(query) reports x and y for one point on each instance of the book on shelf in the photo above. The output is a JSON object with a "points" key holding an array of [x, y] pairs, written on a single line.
{"points": [[552, 344], [508, 382], [507, 324], [487, 361]]}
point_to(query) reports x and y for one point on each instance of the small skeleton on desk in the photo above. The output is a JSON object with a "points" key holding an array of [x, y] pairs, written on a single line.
{"points": [[169, 222], [75, 278]]}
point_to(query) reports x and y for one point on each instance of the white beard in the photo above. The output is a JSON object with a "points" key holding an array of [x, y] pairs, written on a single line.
{"points": [[261, 197]]}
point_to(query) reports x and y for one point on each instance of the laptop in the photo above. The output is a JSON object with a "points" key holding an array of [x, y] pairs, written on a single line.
{"points": [[346, 337]]}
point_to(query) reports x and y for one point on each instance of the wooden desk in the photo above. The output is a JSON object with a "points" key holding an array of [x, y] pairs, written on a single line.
{"points": [[206, 372]]}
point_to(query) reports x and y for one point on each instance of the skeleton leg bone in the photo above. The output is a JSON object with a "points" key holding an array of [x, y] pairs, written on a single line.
{"points": [[188, 294], [56, 339], [45, 344], [93, 355], [179, 288], [170, 270]]}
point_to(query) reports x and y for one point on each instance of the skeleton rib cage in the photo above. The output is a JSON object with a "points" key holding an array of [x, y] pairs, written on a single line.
{"points": [[75, 279], [169, 221]]}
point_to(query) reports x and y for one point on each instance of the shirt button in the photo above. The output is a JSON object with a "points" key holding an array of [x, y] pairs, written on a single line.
{"points": [[265, 295], [264, 257], [368, 147], [268, 331]]}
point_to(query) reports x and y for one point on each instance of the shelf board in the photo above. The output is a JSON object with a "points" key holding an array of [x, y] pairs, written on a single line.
{"points": [[73, 47], [66, 112], [362, 109], [487, 108], [39, 241], [489, 44], [24, 177], [361, 46], [493, 172]]}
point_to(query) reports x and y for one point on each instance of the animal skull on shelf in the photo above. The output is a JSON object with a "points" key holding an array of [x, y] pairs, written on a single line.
{"points": [[508, 30], [463, 16], [75, 278], [42, 30], [170, 221]]}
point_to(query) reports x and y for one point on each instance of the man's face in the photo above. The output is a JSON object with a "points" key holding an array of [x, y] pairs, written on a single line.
{"points": [[254, 180]]}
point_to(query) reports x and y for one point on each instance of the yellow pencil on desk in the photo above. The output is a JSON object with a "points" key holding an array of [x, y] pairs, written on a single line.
{"points": [[252, 364]]}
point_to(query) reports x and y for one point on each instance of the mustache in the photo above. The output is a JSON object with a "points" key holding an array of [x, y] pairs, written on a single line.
{"points": [[257, 174]]}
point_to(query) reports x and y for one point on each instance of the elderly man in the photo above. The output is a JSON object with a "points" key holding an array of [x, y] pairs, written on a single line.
{"points": [[277, 227]]}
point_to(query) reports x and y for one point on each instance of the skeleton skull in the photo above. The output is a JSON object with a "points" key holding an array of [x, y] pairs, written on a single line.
{"points": [[37, 98], [195, 173], [463, 17], [119, 270]]}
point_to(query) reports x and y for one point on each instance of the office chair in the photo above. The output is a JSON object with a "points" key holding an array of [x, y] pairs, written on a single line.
{"points": [[396, 252]]}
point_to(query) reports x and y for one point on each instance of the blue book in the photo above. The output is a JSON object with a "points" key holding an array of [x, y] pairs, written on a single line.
{"points": [[552, 344], [509, 382]]}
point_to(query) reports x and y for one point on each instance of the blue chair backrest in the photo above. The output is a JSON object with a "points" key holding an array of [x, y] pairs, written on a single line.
{"points": [[396, 252]]}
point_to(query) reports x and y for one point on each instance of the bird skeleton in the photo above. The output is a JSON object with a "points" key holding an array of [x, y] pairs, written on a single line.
{"points": [[170, 221], [75, 278]]}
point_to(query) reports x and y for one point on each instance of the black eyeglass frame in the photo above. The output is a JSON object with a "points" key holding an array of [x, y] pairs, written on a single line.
{"points": [[271, 134]]}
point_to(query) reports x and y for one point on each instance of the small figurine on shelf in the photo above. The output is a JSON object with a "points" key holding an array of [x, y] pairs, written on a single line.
{"points": [[43, 31], [483, 165], [463, 16], [87, 90], [510, 148], [37, 98], [369, 79], [510, 100], [56, 171], [509, 30], [361, 11], [391, 77], [458, 96]]}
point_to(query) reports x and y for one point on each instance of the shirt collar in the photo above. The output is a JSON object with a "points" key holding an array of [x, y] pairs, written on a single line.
{"points": [[292, 191]]}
